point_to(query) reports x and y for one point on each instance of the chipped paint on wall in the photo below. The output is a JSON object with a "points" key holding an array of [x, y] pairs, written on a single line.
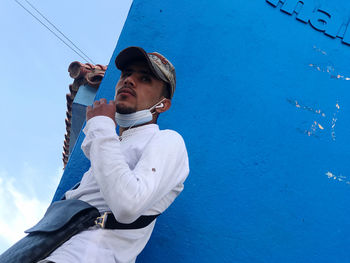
{"points": [[317, 49], [305, 107], [327, 123], [339, 178], [329, 69], [334, 121], [324, 125]]}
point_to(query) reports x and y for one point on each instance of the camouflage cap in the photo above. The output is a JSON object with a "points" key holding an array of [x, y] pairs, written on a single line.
{"points": [[160, 66]]}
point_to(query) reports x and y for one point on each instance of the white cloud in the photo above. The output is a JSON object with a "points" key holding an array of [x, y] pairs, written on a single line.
{"points": [[21, 210]]}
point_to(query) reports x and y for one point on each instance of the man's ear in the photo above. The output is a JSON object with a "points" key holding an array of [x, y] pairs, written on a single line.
{"points": [[166, 106]]}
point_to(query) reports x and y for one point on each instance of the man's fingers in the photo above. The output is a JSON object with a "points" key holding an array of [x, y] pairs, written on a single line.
{"points": [[88, 112], [101, 108], [101, 101]]}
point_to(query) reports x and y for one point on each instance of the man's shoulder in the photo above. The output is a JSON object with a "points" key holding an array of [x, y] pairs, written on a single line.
{"points": [[170, 134], [170, 138]]}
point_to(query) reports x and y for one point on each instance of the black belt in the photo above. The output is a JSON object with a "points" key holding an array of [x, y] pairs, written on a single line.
{"points": [[108, 221]]}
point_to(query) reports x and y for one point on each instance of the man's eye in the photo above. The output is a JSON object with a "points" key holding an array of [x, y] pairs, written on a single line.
{"points": [[125, 74], [146, 78]]}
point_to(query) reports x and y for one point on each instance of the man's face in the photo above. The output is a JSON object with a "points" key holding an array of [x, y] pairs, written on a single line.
{"points": [[137, 88]]}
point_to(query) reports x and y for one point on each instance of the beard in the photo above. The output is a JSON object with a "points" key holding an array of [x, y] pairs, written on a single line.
{"points": [[124, 110]]}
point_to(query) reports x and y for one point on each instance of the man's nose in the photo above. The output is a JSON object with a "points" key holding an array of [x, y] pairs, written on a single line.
{"points": [[129, 80]]}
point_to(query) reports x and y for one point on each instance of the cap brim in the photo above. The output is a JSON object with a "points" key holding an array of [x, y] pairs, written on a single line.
{"points": [[130, 54]]}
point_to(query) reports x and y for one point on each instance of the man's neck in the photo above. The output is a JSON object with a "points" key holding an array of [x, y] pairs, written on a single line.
{"points": [[122, 129]]}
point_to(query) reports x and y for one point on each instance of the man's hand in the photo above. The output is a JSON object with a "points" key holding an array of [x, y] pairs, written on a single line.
{"points": [[101, 108]]}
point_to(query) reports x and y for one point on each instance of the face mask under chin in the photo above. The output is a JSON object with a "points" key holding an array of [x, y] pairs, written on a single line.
{"points": [[129, 120]]}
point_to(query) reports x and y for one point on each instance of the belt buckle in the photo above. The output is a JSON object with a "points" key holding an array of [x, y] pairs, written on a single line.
{"points": [[101, 220]]}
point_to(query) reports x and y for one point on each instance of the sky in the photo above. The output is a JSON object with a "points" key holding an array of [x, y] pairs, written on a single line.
{"points": [[34, 82]]}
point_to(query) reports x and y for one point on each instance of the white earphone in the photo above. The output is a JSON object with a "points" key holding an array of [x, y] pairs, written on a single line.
{"points": [[161, 105]]}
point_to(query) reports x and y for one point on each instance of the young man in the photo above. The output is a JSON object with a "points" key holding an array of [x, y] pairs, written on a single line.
{"points": [[135, 175]]}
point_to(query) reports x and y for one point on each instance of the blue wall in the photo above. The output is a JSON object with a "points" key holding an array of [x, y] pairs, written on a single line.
{"points": [[263, 103]]}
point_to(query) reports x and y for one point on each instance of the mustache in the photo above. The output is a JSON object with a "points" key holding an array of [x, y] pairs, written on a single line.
{"points": [[127, 90]]}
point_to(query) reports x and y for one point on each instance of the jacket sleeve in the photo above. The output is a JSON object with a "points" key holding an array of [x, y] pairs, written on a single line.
{"points": [[129, 193]]}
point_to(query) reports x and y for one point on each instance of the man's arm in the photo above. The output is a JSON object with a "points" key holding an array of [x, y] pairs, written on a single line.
{"points": [[129, 193]]}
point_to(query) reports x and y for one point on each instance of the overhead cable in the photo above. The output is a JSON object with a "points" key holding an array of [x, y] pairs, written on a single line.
{"points": [[58, 30], [85, 57]]}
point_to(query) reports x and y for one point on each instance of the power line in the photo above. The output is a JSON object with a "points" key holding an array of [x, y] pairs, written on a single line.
{"points": [[51, 31], [58, 30], [85, 59]]}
